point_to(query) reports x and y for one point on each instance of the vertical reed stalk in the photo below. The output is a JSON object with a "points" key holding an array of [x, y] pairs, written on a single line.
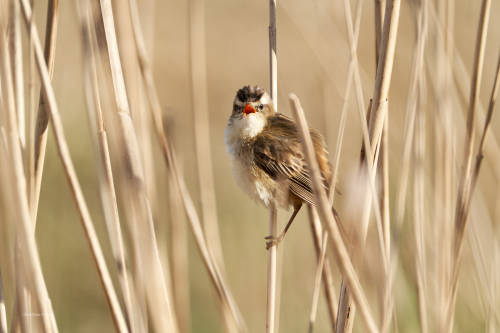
{"points": [[273, 59], [271, 272], [384, 72], [317, 283], [379, 22], [107, 187], [201, 118], [17, 68], [273, 216], [330, 295], [3, 315], [328, 219], [69, 169], [156, 290], [419, 210], [40, 135], [487, 123], [170, 159], [179, 259], [346, 310], [465, 188], [17, 185]]}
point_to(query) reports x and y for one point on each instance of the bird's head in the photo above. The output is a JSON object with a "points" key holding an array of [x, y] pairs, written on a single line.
{"points": [[251, 108]]}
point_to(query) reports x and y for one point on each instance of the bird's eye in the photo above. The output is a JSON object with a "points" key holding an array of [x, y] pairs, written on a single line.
{"points": [[260, 107]]}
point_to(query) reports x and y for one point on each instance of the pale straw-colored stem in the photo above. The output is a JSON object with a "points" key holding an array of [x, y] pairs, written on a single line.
{"points": [[487, 123], [465, 188], [384, 73], [69, 169], [273, 59], [329, 289], [317, 283], [17, 68], [199, 93], [213, 270], [352, 75], [157, 292], [379, 22], [107, 187], [17, 184], [338, 247], [179, 258], [346, 311], [419, 211], [16, 56], [272, 264], [3, 315], [173, 169], [271, 272], [42, 119]]}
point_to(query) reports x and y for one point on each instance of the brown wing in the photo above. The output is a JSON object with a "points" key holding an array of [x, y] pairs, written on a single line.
{"points": [[278, 151]]}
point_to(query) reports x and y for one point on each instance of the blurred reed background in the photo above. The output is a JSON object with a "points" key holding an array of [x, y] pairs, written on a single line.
{"points": [[143, 97]]}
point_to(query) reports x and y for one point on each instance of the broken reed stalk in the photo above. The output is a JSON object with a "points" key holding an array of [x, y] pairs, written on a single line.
{"points": [[69, 169], [272, 264], [157, 293], [337, 244], [317, 283], [173, 169], [107, 187], [24, 229], [37, 157], [199, 94], [465, 188]]}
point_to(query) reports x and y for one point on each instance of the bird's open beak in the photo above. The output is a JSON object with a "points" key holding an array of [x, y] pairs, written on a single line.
{"points": [[248, 109]]}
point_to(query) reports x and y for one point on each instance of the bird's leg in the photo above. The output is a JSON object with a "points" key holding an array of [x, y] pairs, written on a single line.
{"points": [[270, 240]]}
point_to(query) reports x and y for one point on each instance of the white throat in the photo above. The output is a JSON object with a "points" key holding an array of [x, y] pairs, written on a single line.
{"points": [[238, 130]]}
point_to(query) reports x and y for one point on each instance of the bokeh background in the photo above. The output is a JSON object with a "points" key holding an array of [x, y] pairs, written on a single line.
{"points": [[313, 57]]}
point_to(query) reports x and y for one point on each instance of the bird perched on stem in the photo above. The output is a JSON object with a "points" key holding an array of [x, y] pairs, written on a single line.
{"points": [[267, 158]]}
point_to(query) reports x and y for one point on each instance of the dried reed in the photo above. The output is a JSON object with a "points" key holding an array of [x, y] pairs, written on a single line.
{"points": [[273, 214], [17, 184], [170, 159], [317, 283], [107, 188], [39, 142], [71, 175], [328, 219], [465, 186], [3, 315]]}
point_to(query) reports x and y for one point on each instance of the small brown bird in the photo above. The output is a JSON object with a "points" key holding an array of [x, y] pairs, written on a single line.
{"points": [[267, 158]]}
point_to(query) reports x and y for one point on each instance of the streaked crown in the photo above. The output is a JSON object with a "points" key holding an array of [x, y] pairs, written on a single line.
{"points": [[254, 96], [250, 94]]}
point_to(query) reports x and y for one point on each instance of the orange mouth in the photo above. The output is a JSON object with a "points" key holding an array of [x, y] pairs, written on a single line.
{"points": [[248, 109]]}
